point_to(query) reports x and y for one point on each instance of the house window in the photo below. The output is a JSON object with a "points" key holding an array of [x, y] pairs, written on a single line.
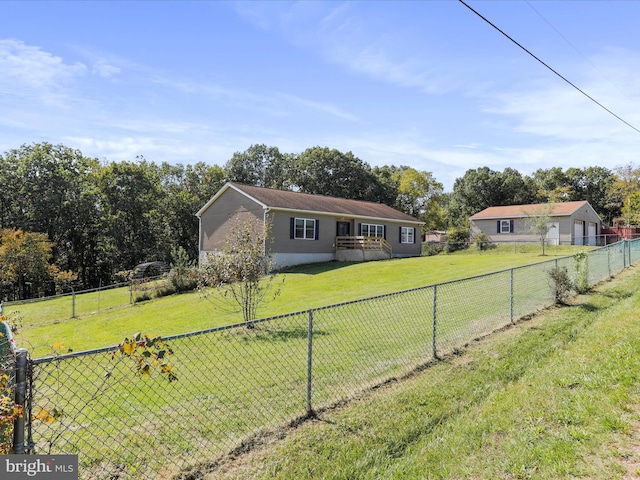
{"points": [[505, 226], [372, 230], [305, 229], [407, 235]]}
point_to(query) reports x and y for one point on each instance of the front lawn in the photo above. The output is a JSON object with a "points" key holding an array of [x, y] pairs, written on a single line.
{"points": [[48, 322]]}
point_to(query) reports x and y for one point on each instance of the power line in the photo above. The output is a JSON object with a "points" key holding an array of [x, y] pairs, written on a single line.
{"points": [[549, 67], [578, 51]]}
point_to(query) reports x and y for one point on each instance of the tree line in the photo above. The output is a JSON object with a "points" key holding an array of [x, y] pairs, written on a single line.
{"points": [[94, 219]]}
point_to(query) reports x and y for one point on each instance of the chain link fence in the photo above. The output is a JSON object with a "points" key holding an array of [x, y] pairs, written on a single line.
{"points": [[241, 384], [88, 302]]}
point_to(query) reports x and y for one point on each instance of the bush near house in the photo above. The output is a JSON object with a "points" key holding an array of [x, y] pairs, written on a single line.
{"points": [[457, 239]]}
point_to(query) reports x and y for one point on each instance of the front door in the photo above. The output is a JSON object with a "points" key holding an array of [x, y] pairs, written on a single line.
{"points": [[343, 229]]}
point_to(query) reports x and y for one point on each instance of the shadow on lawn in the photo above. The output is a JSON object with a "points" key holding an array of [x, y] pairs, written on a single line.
{"points": [[317, 268], [279, 334]]}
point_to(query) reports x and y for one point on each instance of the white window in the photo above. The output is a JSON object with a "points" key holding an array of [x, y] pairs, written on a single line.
{"points": [[505, 226], [372, 230], [407, 235], [305, 229]]}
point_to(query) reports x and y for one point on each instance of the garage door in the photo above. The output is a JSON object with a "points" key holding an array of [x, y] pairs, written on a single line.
{"points": [[578, 232], [593, 232]]}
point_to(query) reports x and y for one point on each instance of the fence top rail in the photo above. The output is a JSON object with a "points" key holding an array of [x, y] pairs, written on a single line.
{"points": [[80, 292], [232, 326]]}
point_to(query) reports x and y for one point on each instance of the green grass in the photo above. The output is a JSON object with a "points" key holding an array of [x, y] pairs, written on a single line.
{"points": [[554, 397], [238, 384], [105, 318]]}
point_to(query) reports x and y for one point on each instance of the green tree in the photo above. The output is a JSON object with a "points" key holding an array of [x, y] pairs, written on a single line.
{"points": [[241, 273], [418, 196], [596, 185], [25, 263], [132, 198], [388, 182], [261, 166], [322, 171], [538, 222], [552, 185], [187, 189], [482, 188], [51, 189], [626, 184]]}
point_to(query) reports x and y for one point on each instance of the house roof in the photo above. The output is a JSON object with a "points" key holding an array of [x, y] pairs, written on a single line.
{"points": [[304, 202], [561, 209]]}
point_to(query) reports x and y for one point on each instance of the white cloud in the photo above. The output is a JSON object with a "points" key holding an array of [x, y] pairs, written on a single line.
{"points": [[341, 34], [32, 67], [318, 106], [553, 109], [103, 69]]}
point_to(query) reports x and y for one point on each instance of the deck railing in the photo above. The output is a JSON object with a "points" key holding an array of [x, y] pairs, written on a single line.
{"points": [[363, 243]]}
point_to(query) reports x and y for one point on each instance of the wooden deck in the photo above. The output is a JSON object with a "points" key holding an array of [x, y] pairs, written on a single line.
{"points": [[363, 243]]}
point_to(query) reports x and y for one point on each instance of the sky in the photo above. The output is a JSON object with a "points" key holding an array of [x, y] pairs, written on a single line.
{"points": [[426, 84]]}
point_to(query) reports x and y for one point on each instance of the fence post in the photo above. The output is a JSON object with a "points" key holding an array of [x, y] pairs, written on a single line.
{"points": [[73, 304], [609, 260], [309, 360], [511, 295], [435, 305], [20, 396]]}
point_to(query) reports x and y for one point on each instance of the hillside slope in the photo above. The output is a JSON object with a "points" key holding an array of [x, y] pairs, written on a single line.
{"points": [[556, 396]]}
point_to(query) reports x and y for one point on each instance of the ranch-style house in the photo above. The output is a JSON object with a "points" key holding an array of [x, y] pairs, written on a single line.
{"points": [[308, 228], [570, 223]]}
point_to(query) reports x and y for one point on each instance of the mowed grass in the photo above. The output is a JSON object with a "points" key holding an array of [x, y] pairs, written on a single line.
{"points": [[556, 396], [236, 383], [111, 318]]}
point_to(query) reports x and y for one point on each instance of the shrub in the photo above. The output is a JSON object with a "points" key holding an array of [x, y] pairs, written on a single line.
{"points": [[183, 274], [483, 242], [432, 248], [561, 284], [457, 239], [582, 272]]}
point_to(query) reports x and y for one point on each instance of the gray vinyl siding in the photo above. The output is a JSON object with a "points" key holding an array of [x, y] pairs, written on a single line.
{"points": [[522, 233], [280, 233], [282, 243], [216, 217], [214, 222]]}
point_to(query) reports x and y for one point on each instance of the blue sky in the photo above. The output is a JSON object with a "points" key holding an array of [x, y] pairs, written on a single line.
{"points": [[426, 84]]}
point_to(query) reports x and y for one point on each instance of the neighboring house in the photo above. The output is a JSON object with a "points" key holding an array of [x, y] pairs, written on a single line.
{"points": [[571, 223], [437, 236], [311, 228]]}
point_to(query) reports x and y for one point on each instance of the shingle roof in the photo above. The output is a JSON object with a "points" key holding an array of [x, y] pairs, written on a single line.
{"points": [[517, 211], [288, 200]]}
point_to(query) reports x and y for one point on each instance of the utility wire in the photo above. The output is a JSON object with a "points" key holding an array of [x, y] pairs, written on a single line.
{"points": [[554, 71], [578, 51]]}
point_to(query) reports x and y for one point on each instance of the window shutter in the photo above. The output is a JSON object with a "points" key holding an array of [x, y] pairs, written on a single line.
{"points": [[414, 234], [384, 232], [511, 226], [400, 235], [292, 227], [498, 226], [317, 228], [359, 229]]}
